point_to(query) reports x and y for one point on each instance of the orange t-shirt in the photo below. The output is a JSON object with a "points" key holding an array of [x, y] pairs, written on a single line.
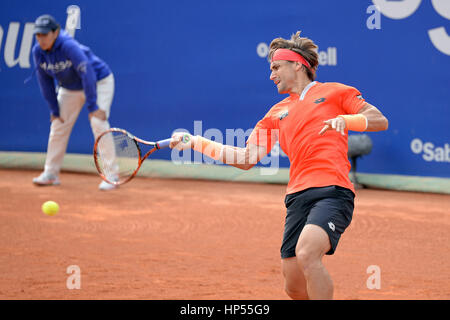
{"points": [[316, 160]]}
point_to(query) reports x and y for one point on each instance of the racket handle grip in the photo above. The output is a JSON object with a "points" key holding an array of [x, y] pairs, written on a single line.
{"points": [[161, 144]]}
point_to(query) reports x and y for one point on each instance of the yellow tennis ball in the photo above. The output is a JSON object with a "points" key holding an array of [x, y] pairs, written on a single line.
{"points": [[50, 208]]}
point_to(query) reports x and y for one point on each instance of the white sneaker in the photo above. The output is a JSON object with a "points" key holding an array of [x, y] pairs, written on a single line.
{"points": [[46, 179], [105, 186]]}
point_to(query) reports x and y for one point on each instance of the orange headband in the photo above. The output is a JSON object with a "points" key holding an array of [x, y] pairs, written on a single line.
{"points": [[289, 55]]}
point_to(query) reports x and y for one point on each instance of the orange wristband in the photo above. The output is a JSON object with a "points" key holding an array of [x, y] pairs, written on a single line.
{"points": [[210, 148], [355, 122]]}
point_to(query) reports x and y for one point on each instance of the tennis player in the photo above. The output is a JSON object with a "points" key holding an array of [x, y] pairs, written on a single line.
{"points": [[82, 78], [311, 125]]}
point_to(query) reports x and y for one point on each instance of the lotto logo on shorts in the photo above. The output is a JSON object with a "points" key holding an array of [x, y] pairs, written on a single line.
{"points": [[331, 226]]}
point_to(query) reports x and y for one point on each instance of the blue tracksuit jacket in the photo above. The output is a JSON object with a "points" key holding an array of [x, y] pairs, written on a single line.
{"points": [[73, 66]]}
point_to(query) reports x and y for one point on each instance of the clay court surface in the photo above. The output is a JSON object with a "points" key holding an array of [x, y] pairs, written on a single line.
{"points": [[184, 239]]}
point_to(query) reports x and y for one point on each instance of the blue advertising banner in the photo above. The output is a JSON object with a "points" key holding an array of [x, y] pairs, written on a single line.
{"points": [[202, 66]]}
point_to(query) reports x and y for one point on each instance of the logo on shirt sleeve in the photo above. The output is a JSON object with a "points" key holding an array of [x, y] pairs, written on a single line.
{"points": [[284, 115], [320, 100], [82, 67]]}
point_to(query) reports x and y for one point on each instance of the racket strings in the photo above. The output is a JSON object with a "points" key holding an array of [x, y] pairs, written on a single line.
{"points": [[117, 156]]}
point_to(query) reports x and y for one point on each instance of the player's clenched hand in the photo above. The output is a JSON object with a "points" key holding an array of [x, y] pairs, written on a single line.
{"points": [[182, 141], [337, 124]]}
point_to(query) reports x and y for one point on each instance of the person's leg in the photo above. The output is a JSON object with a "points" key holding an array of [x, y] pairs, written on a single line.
{"points": [[294, 279], [296, 214], [105, 95], [312, 245], [315, 220], [70, 104], [329, 216]]}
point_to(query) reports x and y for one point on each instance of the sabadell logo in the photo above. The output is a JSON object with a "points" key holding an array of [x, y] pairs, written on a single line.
{"points": [[327, 57], [430, 152]]}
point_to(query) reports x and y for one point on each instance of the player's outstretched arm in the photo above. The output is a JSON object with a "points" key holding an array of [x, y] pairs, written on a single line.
{"points": [[242, 158]]}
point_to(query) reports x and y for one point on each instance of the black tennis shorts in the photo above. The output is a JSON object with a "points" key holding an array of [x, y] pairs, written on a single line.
{"points": [[328, 207]]}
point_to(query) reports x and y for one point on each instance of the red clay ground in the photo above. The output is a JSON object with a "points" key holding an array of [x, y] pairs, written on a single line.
{"points": [[183, 239]]}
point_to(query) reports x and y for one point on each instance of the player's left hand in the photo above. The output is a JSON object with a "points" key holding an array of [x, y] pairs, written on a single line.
{"points": [[98, 114], [337, 124]]}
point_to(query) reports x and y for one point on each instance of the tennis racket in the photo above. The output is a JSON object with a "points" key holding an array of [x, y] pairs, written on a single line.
{"points": [[118, 154]]}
